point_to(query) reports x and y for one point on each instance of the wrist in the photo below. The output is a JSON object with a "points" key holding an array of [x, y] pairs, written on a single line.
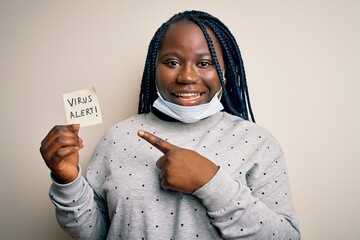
{"points": [[65, 177], [208, 175]]}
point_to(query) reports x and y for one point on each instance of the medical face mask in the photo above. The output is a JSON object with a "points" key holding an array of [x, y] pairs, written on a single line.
{"points": [[189, 114]]}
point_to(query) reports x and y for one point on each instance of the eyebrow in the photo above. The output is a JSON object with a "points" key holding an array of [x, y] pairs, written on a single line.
{"points": [[176, 53], [203, 55], [171, 53]]}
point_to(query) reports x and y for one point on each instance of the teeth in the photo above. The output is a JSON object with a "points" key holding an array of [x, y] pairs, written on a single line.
{"points": [[188, 96]]}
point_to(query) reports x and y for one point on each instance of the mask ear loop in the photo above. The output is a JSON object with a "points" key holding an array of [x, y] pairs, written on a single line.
{"points": [[220, 92], [158, 92], [224, 78]]}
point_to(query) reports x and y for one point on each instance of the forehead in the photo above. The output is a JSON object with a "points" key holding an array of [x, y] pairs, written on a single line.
{"points": [[187, 33]]}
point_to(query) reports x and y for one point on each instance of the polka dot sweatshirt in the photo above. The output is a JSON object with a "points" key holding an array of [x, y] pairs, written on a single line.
{"points": [[121, 197]]}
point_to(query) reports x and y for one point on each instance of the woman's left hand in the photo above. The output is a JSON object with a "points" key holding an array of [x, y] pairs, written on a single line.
{"points": [[181, 169]]}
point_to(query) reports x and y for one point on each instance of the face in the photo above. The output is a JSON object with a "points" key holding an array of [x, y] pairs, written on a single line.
{"points": [[185, 71]]}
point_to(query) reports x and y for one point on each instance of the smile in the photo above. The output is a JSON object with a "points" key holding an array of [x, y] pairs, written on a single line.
{"points": [[188, 96]]}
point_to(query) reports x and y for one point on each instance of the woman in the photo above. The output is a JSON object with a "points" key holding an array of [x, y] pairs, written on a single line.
{"points": [[190, 165]]}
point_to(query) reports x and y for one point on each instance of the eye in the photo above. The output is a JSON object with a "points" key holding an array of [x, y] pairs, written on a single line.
{"points": [[205, 64], [172, 63]]}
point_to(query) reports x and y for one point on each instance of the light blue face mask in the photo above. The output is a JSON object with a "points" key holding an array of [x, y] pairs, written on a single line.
{"points": [[189, 114]]}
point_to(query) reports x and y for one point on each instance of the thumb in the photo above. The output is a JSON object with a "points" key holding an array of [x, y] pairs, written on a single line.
{"points": [[74, 128]]}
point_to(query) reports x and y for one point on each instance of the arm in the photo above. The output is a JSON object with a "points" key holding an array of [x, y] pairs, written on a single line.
{"points": [[79, 211], [261, 208]]}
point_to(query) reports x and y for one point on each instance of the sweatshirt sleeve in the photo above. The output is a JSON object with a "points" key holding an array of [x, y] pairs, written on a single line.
{"points": [[79, 211], [259, 208]]}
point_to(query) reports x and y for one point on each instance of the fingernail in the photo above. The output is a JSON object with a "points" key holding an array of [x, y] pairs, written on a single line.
{"points": [[74, 127], [141, 133]]}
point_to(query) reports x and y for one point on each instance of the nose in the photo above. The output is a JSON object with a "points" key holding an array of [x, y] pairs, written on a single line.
{"points": [[187, 75]]}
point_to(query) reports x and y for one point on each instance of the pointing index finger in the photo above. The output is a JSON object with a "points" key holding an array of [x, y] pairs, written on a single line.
{"points": [[157, 142]]}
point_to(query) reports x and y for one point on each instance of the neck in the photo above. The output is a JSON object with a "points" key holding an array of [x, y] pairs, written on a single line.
{"points": [[162, 116]]}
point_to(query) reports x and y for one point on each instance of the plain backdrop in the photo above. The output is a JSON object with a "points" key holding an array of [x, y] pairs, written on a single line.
{"points": [[303, 69]]}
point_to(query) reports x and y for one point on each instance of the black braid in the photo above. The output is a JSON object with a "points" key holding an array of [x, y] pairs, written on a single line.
{"points": [[235, 98], [230, 65], [217, 65], [231, 72], [148, 89]]}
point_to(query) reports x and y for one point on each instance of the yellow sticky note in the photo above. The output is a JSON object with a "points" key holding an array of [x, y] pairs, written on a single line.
{"points": [[82, 107]]}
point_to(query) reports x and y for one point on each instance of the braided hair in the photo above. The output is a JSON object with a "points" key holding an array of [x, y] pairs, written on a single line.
{"points": [[235, 98]]}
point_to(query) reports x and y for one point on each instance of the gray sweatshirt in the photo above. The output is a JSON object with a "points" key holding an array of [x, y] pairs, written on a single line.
{"points": [[121, 197]]}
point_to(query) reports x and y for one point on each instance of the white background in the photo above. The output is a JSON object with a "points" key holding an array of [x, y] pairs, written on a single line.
{"points": [[302, 63]]}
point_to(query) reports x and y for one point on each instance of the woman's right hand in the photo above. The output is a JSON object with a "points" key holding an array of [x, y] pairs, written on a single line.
{"points": [[60, 151]]}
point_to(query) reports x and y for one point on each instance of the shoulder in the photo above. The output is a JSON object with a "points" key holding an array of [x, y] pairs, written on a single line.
{"points": [[249, 129], [247, 125], [131, 120], [128, 123]]}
